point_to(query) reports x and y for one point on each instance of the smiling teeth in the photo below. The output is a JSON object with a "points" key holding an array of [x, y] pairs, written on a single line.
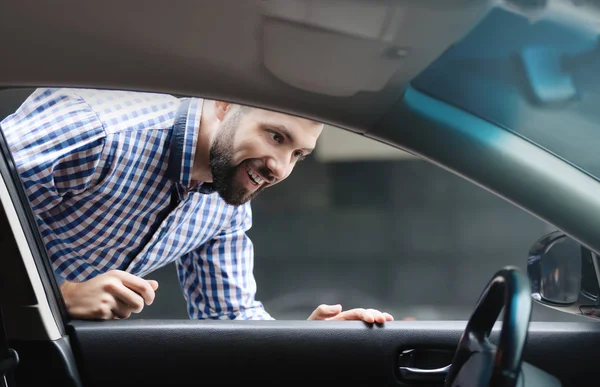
{"points": [[254, 177]]}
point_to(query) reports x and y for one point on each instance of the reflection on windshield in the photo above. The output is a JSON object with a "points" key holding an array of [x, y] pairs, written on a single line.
{"points": [[538, 79]]}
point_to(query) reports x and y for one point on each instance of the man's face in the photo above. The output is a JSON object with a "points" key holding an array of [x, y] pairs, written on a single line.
{"points": [[255, 149]]}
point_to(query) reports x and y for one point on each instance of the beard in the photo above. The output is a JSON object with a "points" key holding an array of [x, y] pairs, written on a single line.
{"points": [[224, 171]]}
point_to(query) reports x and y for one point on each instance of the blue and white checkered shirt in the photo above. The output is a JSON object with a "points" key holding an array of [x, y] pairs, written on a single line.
{"points": [[108, 175]]}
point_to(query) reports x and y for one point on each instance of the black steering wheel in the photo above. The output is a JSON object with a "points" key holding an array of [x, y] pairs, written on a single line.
{"points": [[478, 362]]}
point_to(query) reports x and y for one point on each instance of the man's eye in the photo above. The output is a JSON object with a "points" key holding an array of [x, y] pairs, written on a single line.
{"points": [[278, 138], [299, 155]]}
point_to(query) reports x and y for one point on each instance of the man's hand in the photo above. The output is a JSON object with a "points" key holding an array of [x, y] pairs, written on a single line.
{"points": [[334, 312], [114, 294]]}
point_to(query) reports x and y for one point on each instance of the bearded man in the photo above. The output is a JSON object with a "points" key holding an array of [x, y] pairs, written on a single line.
{"points": [[123, 183]]}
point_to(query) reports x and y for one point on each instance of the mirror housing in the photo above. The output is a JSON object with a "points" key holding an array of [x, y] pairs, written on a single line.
{"points": [[565, 275]]}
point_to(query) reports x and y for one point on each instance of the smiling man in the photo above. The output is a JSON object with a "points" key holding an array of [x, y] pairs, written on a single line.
{"points": [[241, 163], [124, 183]]}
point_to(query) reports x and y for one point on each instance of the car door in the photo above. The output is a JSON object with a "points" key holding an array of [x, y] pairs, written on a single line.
{"points": [[139, 45]]}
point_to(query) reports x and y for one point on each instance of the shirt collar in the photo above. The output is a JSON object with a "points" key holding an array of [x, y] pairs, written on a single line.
{"points": [[183, 143]]}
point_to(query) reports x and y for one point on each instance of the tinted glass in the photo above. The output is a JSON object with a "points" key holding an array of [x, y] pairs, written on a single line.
{"points": [[537, 78]]}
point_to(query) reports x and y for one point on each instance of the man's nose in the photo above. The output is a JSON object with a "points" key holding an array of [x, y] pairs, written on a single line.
{"points": [[278, 168]]}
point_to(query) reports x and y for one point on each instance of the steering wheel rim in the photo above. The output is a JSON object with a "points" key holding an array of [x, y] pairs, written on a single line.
{"points": [[497, 366]]}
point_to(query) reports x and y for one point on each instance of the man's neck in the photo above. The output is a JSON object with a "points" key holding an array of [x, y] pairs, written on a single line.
{"points": [[201, 168]]}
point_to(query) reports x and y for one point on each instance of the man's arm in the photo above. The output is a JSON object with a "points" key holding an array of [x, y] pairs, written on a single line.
{"points": [[56, 141], [217, 280]]}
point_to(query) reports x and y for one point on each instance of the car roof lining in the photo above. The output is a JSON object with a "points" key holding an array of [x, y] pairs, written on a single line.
{"points": [[225, 50]]}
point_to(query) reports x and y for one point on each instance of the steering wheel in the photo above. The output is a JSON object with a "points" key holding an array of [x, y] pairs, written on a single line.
{"points": [[478, 362]]}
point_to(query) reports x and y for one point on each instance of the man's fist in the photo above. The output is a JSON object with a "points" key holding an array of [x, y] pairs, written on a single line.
{"points": [[334, 312], [114, 294]]}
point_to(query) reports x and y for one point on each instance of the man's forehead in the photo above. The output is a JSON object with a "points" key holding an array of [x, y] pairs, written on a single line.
{"points": [[283, 118]]}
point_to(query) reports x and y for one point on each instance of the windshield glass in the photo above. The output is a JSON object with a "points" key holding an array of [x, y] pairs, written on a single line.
{"points": [[537, 78]]}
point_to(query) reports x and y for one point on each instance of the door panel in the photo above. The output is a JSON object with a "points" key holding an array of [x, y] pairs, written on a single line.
{"points": [[188, 352]]}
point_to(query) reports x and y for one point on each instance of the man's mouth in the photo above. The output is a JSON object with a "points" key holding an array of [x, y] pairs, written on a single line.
{"points": [[255, 178]]}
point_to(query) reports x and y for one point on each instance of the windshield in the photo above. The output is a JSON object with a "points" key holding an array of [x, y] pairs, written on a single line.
{"points": [[537, 78]]}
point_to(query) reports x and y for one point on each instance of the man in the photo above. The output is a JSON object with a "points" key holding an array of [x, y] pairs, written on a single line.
{"points": [[123, 183]]}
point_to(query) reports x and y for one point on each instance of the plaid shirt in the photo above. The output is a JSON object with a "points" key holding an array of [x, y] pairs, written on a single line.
{"points": [[108, 175]]}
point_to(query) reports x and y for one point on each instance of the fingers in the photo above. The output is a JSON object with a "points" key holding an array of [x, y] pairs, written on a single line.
{"points": [[387, 317], [125, 295], [324, 311], [115, 294], [334, 312], [367, 315], [121, 310], [139, 285], [355, 314], [153, 284]]}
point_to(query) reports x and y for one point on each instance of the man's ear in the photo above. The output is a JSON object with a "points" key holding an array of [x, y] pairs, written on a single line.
{"points": [[221, 108]]}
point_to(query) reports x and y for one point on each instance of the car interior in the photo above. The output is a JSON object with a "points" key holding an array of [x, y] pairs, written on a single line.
{"points": [[500, 93]]}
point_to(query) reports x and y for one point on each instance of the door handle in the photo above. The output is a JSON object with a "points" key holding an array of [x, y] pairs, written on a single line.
{"points": [[424, 375]]}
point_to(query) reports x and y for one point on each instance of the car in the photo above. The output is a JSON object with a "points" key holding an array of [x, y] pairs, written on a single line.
{"points": [[502, 94]]}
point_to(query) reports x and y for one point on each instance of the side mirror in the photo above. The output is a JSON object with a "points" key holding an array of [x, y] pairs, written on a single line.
{"points": [[564, 275]]}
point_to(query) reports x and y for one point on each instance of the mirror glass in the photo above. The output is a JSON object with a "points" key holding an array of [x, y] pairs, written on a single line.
{"points": [[560, 279], [564, 275], [555, 270]]}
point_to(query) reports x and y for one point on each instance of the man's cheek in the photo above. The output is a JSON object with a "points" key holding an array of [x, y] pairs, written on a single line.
{"points": [[287, 175]]}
